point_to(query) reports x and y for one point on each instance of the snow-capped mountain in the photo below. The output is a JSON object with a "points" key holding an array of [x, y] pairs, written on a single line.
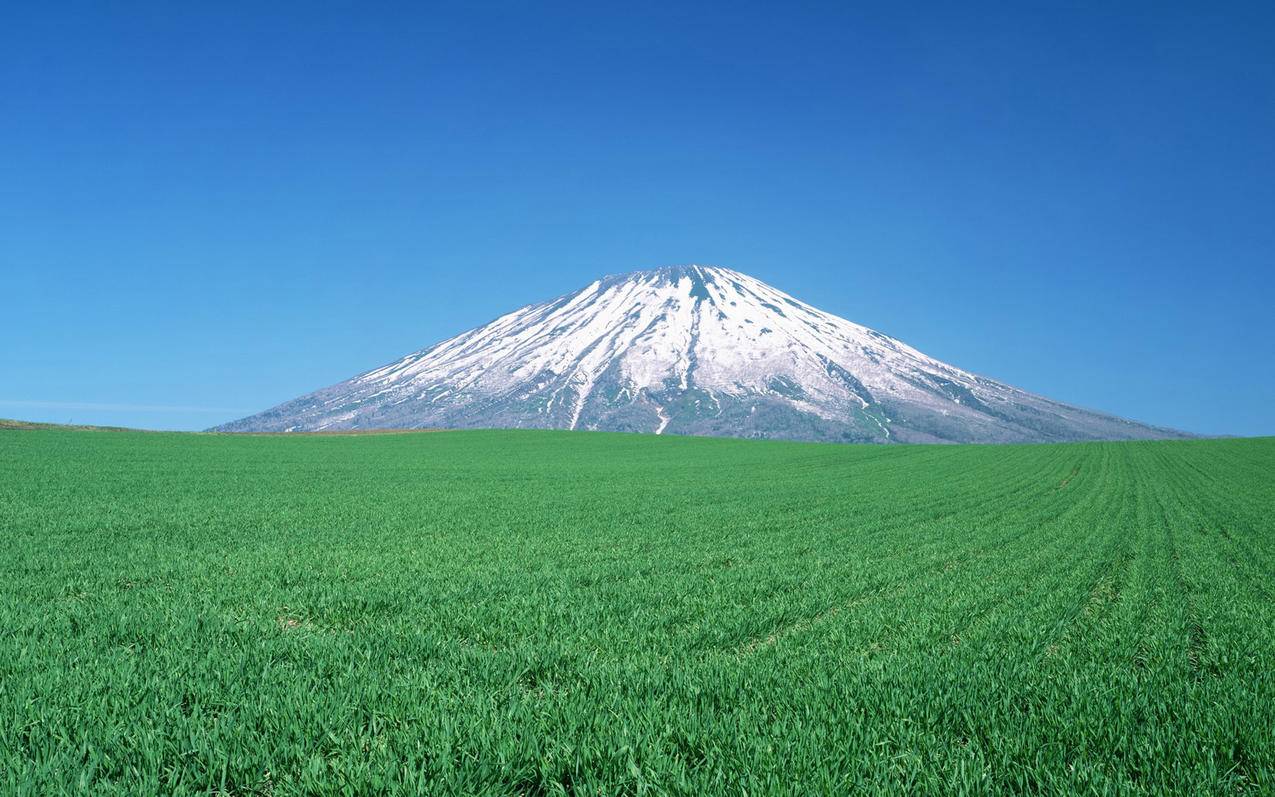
{"points": [[689, 350]]}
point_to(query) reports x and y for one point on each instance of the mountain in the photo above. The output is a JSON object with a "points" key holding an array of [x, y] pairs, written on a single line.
{"points": [[689, 350]]}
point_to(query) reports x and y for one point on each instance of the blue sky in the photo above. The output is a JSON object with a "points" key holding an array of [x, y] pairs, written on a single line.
{"points": [[206, 210]]}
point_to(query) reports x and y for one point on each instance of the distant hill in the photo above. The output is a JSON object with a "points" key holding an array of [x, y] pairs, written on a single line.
{"points": [[10, 423]]}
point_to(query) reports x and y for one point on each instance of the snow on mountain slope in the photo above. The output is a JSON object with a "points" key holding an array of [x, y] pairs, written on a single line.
{"points": [[689, 350]]}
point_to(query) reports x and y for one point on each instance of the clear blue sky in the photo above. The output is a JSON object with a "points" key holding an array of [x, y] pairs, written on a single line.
{"points": [[206, 209]]}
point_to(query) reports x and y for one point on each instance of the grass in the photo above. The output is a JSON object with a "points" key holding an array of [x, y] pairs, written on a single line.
{"points": [[567, 613]]}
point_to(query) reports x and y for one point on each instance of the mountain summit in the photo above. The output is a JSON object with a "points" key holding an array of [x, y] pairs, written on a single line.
{"points": [[689, 350]]}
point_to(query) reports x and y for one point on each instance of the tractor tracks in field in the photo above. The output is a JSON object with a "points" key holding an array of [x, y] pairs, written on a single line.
{"points": [[1105, 587], [1173, 495], [1236, 549], [929, 577], [1241, 558], [891, 589], [1197, 636], [751, 646], [1104, 593], [921, 579], [1043, 568]]}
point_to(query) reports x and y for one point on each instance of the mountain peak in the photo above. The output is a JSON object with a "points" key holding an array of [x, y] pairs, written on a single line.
{"points": [[666, 274], [679, 270], [688, 349]]}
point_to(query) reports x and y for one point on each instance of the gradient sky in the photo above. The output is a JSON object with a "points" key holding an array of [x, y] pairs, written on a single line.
{"points": [[206, 209]]}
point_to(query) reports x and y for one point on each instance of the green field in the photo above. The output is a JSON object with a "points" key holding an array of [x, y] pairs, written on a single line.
{"points": [[550, 613]]}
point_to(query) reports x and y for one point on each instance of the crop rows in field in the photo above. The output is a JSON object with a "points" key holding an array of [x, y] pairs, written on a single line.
{"points": [[550, 613]]}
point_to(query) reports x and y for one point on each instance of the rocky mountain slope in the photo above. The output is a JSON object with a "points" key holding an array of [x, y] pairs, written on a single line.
{"points": [[689, 350]]}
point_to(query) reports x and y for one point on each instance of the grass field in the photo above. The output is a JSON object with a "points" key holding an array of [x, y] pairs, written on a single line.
{"points": [[549, 613]]}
